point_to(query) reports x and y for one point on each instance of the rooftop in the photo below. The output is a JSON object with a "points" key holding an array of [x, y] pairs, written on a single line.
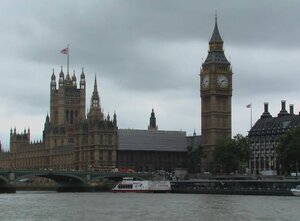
{"points": [[152, 140]]}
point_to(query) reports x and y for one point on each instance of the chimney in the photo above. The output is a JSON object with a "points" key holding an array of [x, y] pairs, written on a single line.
{"points": [[266, 106], [283, 105], [266, 113], [283, 111], [291, 109]]}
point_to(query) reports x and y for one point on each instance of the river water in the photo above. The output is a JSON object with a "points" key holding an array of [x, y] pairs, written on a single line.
{"points": [[106, 206]]}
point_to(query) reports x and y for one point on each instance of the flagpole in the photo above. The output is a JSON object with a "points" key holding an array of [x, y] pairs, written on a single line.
{"points": [[68, 59], [251, 117]]}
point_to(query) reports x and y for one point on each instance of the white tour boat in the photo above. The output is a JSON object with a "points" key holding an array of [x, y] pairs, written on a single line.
{"points": [[130, 184], [296, 191]]}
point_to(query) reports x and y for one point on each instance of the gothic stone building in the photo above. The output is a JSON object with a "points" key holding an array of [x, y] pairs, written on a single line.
{"points": [[71, 139], [264, 137], [216, 92]]}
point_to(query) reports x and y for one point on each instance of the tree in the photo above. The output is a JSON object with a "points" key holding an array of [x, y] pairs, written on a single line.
{"points": [[195, 156], [288, 151], [231, 155]]}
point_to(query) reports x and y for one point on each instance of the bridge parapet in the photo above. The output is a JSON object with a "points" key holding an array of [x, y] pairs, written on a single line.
{"points": [[10, 177]]}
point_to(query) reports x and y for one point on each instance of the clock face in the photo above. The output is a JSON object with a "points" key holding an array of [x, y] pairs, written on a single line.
{"points": [[222, 81], [205, 81]]}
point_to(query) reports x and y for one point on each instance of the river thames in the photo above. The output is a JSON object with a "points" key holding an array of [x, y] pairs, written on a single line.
{"points": [[145, 206]]}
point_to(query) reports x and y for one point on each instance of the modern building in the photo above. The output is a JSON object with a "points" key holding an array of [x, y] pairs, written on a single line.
{"points": [[71, 139], [216, 92], [264, 137], [152, 149]]}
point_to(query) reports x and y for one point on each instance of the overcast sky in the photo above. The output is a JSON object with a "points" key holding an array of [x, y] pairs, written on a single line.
{"points": [[146, 54]]}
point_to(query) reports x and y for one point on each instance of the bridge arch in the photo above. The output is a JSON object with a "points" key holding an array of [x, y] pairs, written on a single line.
{"points": [[3, 180], [64, 179]]}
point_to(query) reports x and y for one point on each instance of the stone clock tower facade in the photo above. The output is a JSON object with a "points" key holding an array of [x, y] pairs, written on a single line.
{"points": [[216, 92]]}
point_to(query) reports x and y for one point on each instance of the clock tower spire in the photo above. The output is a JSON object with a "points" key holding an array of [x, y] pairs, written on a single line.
{"points": [[216, 92]]}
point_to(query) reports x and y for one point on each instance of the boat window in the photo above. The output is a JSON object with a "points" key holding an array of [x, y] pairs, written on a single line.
{"points": [[125, 186]]}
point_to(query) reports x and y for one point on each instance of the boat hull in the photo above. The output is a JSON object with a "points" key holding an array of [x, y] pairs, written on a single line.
{"points": [[295, 192], [129, 185], [140, 191]]}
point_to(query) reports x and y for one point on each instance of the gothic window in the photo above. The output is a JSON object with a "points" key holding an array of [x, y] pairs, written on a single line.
{"points": [[95, 103], [71, 117], [55, 116], [110, 139], [92, 139], [84, 139], [67, 116], [101, 139]]}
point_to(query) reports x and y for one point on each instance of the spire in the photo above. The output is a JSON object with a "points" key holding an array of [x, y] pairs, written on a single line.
{"points": [[82, 80], [152, 125], [53, 76], [47, 118], [74, 79], [216, 37], [216, 52], [53, 81], [95, 92], [95, 101], [95, 109], [115, 119], [61, 77]]}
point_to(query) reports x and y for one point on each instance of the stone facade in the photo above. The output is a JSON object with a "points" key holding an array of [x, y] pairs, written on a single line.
{"points": [[264, 138], [71, 139], [216, 92]]}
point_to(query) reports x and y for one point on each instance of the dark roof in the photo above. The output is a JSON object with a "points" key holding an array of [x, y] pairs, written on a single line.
{"points": [[274, 125], [216, 57], [152, 140], [216, 37]]}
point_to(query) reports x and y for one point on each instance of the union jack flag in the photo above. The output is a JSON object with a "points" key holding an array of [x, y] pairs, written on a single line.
{"points": [[65, 51]]}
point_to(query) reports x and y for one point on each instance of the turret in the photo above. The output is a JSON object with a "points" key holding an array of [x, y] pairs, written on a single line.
{"points": [[74, 79], [53, 81], [95, 108], [61, 77], [95, 100], [152, 125], [68, 81], [82, 80], [115, 119]]}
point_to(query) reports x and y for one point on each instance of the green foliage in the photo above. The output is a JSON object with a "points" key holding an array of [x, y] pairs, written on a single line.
{"points": [[230, 155], [288, 150], [195, 158]]}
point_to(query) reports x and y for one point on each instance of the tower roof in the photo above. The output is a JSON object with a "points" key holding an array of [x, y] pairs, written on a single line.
{"points": [[216, 52], [95, 111], [216, 37], [95, 92]]}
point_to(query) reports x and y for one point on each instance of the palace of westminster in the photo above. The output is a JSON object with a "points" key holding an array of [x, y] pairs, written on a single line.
{"points": [[74, 139]]}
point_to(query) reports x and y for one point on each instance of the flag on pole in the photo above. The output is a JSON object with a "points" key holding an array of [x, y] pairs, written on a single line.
{"points": [[65, 51], [248, 106]]}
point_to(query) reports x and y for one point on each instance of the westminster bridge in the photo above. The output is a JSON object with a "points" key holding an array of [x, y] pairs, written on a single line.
{"points": [[66, 180]]}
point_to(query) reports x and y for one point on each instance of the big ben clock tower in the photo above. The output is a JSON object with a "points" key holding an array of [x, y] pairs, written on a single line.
{"points": [[216, 92]]}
